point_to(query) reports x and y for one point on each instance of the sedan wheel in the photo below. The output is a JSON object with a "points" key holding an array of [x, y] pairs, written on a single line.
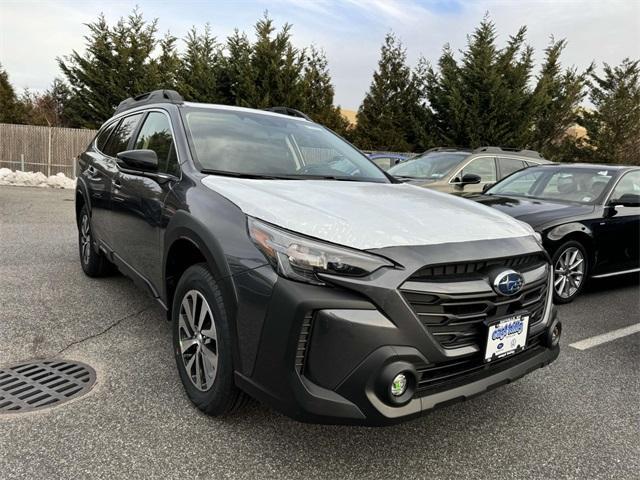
{"points": [[569, 272], [198, 340]]}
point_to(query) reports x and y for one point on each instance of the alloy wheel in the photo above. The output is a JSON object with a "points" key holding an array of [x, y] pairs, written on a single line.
{"points": [[198, 340], [85, 239], [569, 272]]}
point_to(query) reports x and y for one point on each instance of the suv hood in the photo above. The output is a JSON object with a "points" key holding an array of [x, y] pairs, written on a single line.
{"points": [[366, 215]]}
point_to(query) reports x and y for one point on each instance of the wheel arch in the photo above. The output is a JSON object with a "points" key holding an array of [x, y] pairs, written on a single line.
{"points": [[81, 199], [187, 242], [575, 231]]}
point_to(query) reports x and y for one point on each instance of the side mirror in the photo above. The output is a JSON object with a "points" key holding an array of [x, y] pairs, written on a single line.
{"points": [[470, 179], [610, 211], [487, 186], [626, 200], [141, 160]]}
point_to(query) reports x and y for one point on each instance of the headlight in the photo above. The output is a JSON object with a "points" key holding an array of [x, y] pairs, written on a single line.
{"points": [[300, 258]]}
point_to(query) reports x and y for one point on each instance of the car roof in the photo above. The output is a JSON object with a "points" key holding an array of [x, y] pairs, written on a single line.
{"points": [[504, 152], [212, 106], [586, 166]]}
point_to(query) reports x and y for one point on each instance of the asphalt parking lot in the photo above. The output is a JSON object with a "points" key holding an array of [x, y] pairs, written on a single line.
{"points": [[578, 418]]}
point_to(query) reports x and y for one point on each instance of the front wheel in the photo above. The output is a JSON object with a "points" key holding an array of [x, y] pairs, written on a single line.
{"points": [[94, 264], [202, 343], [570, 268]]}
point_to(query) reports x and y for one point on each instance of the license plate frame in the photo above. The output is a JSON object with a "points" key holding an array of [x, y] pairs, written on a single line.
{"points": [[506, 336]]}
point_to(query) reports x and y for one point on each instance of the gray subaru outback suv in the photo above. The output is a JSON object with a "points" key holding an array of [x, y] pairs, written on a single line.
{"points": [[297, 272]]}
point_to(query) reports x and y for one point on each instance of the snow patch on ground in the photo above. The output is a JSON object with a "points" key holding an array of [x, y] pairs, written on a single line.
{"points": [[37, 179]]}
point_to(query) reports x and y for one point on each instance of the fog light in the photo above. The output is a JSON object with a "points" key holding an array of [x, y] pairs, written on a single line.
{"points": [[399, 385]]}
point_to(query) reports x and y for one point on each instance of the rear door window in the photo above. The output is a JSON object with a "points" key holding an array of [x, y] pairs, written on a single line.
{"points": [[119, 141]]}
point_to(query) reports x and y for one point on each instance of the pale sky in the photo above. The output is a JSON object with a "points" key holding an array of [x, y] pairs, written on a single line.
{"points": [[33, 33]]}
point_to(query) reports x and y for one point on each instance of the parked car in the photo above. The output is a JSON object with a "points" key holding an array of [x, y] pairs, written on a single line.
{"points": [[461, 171], [387, 160], [330, 296], [588, 217]]}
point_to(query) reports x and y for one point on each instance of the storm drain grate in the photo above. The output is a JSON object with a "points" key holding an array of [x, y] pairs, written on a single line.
{"points": [[37, 385]]}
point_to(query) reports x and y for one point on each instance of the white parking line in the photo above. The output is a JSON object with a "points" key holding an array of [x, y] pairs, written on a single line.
{"points": [[606, 337]]}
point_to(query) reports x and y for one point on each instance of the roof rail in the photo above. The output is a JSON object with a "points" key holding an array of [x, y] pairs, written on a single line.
{"points": [[157, 96], [447, 149], [292, 112], [522, 152]]}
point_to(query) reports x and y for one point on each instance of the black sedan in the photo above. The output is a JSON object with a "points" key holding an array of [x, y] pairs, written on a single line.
{"points": [[587, 215]]}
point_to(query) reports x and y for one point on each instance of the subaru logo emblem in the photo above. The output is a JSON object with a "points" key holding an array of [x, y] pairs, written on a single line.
{"points": [[508, 282]]}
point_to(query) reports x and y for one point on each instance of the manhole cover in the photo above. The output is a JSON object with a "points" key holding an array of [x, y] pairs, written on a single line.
{"points": [[37, 385]]}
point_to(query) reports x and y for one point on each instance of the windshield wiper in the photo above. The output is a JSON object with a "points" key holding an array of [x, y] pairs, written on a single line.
{"points": [[328, 177], [259, 176]]}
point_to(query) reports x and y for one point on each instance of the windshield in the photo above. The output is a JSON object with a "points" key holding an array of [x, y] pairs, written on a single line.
{"points": [[242, 143], [582, 185], [431, 166]]}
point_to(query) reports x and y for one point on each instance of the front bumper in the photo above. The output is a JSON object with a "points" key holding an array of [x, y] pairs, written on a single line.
{"points": [[323, 352]]}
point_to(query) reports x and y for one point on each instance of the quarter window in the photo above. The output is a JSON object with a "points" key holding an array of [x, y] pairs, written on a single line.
{"points": [[485, 167], [155, 135], [510, 165], [103, 136], [119, 141]]}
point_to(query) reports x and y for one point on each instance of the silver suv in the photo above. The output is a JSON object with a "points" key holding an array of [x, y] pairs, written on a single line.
{"points": [[458, 171]]}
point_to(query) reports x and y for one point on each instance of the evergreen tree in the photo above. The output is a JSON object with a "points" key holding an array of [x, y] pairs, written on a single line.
{"points": [[385, 118], [484, 100], [276, 66], [422, 121], [10, 107], [237, 81], [200, 68], [317, 93], [168, 63], [117, 64], [613, 127], [556, 99]]}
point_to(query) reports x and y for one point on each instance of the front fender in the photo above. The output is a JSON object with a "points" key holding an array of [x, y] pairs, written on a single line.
{"points": [[559, 232]]}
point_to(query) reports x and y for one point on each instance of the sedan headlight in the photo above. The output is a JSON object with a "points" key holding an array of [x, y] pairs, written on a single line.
{"points": [[300, 258]]}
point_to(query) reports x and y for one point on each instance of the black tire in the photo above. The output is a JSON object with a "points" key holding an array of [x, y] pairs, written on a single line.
{"points": [[570, 292], [221, 396], [94, 263]]}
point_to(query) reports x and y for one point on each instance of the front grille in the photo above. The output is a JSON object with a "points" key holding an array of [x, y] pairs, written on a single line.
{"points": [[433, 378], [457, 319], [522, 263]]}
